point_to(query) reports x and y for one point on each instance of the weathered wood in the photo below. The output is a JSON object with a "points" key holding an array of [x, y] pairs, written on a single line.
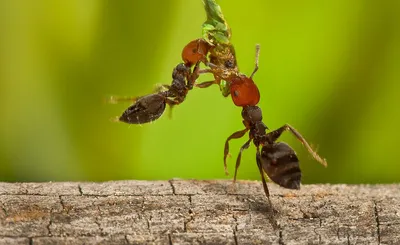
{"points": [[197, 212]]}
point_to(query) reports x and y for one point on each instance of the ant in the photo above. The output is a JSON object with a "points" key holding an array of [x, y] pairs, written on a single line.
{"points": [[150, 107], [223, 66], [277, 159]]}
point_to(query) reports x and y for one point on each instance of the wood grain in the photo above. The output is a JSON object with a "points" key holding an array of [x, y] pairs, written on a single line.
{"points": [[197, 212]]}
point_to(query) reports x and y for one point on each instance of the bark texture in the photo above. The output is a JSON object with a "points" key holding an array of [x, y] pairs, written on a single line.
{"points": [[197, 212]]}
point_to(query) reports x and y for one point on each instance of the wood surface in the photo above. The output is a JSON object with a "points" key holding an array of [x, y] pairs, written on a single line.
{"points": [[197, 212]]}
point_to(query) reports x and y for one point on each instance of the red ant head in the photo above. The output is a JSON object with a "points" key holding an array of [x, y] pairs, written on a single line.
{"points": [[244, 91], [195, 51]]}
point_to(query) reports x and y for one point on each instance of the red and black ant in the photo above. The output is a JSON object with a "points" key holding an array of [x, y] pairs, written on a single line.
{"points": [[277, 159], [223, 66]]}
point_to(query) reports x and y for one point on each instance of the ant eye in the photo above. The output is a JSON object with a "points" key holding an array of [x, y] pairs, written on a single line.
{"points": [[236, 93], [229, 64]]}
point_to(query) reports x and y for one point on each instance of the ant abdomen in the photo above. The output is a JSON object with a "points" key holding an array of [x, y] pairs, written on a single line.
{"points": [[280, 163], [146, 109]]}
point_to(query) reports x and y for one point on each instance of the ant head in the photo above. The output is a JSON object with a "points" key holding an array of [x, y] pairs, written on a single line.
{"points": [[252, 114], [244, 91], [181, 70], [281, 164], [230, 64], [146, 109], [195, 51]]}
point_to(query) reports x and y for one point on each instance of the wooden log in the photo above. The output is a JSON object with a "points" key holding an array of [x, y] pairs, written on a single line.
{"points": [[197, 212]]}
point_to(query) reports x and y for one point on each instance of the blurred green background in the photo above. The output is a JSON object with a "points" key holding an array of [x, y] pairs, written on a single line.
{"points": [[328, 68]]}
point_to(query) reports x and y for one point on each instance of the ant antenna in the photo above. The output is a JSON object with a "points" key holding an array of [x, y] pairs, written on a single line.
{"points": [[257, 56]]}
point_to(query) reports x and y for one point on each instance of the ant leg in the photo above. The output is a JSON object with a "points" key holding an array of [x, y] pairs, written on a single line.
{"points": [[266, 191], [200, 51], [209, 83], [171, 103], [118, 99], [274, 135], [161, 87], [244, 147], [235, 135], [203, 71], [205, 84], [191, 78], [257, 56]]}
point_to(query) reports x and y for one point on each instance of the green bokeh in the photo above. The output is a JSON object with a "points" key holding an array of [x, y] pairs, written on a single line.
{"points": [[328, 68]]}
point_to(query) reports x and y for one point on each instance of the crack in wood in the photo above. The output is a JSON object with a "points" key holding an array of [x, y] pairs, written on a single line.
{"points": [[126, 239], [171, 182], [377, 222], [280, 241], [169, 239], [50, 222], [4, 210], [80, 190], [235, 230], [190, 211]]}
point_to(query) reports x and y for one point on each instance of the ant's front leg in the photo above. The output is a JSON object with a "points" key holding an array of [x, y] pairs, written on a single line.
{"points": [[244, 147], [235, 135], [274, 135], [192, 77]]}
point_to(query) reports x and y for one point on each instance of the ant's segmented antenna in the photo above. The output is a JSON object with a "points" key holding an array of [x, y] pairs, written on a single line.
{"points": [[257, 57]]}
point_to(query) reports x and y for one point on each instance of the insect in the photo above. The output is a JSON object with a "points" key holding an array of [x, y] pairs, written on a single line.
{"points": [[277, 159], [150, 107], [217, 52]]}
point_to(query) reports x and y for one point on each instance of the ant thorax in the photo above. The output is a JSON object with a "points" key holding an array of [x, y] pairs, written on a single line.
{"points": [[178, 86], [252, 114]]}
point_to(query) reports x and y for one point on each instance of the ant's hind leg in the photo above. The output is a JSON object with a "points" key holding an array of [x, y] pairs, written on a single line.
{"points": [[161, 87], [244, 147], [274, 135], [235, 135], [119, 99], [266, 191]]}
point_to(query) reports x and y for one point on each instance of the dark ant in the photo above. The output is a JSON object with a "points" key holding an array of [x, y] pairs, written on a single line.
{"points": [[150, 107]]}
